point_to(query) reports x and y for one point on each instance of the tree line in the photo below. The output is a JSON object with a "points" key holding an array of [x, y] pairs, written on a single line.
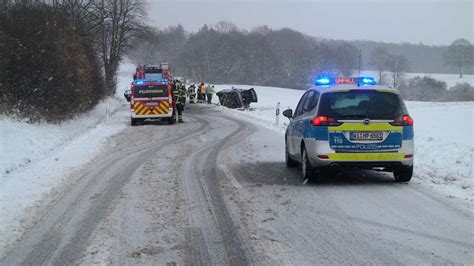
{"points": [[59, 58], [223, 53]]}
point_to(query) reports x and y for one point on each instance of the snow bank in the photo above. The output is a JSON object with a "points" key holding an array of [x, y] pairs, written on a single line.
{"points": [[444, 137], [37, 158], [444, 146], [25, 143]]}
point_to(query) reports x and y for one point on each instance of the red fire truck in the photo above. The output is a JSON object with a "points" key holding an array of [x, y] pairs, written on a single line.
{"points": [[151, 99]]}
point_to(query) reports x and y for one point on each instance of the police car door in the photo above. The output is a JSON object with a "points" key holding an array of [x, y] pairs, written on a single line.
{"points": [[298, 125], [293, 125]]}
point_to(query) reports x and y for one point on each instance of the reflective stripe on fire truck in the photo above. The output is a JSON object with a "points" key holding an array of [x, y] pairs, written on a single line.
{"points": [[141, 109]]}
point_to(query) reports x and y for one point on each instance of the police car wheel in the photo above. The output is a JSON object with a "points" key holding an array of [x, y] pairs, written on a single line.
{"points": [[403, 174], [309, 173], [289, 162]]}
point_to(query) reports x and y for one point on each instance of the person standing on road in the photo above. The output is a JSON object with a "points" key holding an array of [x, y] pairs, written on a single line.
{"points": [[202, 93], [180, 98], [192, 93], [209, 93]]}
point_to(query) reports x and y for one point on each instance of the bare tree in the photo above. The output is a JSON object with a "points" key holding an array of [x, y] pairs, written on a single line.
{"points": [[379, 59], [346, 59], [225, 27], [460, 54], [121, 21], [397, 65]]}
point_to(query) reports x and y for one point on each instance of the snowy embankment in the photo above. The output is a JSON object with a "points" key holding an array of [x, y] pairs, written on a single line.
{"points": [[36, 158], [444, 137]]}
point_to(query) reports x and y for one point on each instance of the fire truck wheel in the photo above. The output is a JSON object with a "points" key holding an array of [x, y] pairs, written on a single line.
{"points": [[134, 122], [171, 120]]}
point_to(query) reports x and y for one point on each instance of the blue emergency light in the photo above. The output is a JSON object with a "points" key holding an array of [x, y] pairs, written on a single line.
{"points": [[323, 81], [141, 81], [366, 81]]}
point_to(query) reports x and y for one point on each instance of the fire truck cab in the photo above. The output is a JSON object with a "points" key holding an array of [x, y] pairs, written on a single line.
{"points": [[151, 99], [153, 72], [167, 74]]}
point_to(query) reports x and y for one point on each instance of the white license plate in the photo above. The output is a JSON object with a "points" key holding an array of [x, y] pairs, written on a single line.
{"points": [[367, 135], [151, 103]]}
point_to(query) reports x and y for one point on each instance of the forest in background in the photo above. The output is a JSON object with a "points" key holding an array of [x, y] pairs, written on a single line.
{"points": [[223, 53]]}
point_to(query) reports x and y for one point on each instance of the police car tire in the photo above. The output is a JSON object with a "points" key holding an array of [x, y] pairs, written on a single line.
{"points": [[289, 161], [403, 174], [308, 171]]}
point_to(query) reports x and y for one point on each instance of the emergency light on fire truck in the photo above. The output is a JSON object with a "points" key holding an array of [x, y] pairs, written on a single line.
{"points": [[141, 81]]}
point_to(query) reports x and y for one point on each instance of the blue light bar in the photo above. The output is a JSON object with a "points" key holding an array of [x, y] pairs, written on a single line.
{"points": [[326, 81], [364, 81], [141, 81]]}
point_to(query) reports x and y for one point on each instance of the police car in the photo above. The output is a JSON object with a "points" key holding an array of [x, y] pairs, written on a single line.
{"points": [[350, 122]]}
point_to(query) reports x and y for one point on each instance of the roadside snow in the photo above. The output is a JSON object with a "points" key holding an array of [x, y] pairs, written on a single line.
{"points": [[24, 143], [36, 159], [444, 137]]}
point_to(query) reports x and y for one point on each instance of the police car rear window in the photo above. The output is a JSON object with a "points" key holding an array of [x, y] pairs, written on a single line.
{"points": [[362, 104], [146, 91]]}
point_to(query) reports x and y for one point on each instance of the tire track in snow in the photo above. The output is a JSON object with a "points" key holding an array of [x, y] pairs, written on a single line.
{"points": [[207, 209], [62, 234]]}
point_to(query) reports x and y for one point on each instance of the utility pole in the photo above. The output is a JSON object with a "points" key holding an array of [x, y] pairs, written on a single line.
{"points": [[360, 60]]}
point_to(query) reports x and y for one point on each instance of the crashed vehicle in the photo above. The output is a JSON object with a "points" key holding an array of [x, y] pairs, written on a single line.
{"points": [[237, 98]]}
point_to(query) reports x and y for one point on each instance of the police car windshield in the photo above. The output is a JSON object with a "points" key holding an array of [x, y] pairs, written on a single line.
{"points": [[359, 104], [147, 91]]}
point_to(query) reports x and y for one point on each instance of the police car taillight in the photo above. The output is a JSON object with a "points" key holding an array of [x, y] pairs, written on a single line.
{"points": [[404, 120], [325, 121]]}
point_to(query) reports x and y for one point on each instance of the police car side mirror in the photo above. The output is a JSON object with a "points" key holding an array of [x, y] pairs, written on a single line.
{"points": [[127, 94], [288, 113]]}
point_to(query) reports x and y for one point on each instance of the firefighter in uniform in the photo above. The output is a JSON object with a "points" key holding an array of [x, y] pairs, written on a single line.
{"points": [[180, 99], [192, 93]]}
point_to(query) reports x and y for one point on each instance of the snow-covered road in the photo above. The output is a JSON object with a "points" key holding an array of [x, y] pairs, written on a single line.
{"points": [[215, 190]]}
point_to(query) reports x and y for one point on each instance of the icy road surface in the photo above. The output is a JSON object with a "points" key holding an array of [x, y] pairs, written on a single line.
{"points": [[215, 190]]}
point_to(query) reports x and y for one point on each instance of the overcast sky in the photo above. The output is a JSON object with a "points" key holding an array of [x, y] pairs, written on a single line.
{"points": [[427, 21]]}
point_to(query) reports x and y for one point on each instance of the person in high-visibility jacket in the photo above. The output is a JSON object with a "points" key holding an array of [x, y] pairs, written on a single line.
{"points": [[202, 93], [180, 100]]}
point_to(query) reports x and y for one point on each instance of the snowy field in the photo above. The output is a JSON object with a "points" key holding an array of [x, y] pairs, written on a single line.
{"points": [[444, 137], [450, 79]]}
